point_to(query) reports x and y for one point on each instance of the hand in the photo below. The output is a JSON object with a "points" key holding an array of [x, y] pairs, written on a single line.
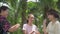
{"points": [[37, 32], [14, 28], [44, 26], [45, 21], [31, 32], [17, 25]]}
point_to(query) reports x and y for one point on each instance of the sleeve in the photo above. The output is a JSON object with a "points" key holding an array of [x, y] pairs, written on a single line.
{"points": [[48, 27], [36, 28], [57, 29], [24, 27], [6, 25]]}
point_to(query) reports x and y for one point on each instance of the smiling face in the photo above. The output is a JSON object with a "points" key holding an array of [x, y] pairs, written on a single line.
{"points": [[4, 11], [31, 18], [52, 14], [50, 17]]}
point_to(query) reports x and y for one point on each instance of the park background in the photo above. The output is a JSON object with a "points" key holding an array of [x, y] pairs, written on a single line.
{"points": [[19, 10]]}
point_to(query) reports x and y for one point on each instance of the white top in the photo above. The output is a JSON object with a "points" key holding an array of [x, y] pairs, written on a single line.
{"points": [[29, 28], [53, 28]]}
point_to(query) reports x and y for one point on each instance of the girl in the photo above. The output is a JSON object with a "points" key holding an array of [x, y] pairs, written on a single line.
{"points": [[30, 28], [54, 25]]}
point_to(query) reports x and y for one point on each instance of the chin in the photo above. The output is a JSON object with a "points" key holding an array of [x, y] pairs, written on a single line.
{"points": [[6, 16], [50, 19]]}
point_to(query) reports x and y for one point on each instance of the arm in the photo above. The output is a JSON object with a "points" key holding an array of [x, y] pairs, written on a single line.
{"points": [[7, 27], [31, 32], [37, 32], [14, 28], [44, 27], [24, 29]]}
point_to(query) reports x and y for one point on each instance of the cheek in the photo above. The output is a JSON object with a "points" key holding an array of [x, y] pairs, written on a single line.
{"points": [[31, 19], [49, 17], [6, 13]]}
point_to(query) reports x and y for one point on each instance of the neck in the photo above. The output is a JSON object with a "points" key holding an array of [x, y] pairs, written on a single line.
{"points": [[3, 15], [29, 23], [54, 20]]}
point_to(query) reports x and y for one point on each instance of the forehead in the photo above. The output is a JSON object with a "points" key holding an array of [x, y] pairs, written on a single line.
{"points": [[31, 15], [50, 14], [4, 11]]}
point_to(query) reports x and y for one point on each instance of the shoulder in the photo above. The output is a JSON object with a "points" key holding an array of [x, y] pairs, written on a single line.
{"points": [[24, 24], [57, 23], [49, 23], [34, 25]]}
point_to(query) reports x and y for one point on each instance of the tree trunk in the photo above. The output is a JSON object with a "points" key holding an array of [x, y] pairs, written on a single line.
{"points": [[24, 7]]}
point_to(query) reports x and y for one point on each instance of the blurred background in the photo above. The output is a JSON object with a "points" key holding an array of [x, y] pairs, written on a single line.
{"points": [[19, 10]]}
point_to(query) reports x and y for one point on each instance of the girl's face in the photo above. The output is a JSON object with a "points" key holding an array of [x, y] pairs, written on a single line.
{"points": [[5, 13], [50, 17], [31, 18]]}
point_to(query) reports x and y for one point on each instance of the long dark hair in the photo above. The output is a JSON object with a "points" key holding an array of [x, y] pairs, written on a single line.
{"points": [[28, 18]]}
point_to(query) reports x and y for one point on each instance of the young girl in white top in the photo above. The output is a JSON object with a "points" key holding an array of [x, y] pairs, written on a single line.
{"points": [[29, 27], [54, 25]]}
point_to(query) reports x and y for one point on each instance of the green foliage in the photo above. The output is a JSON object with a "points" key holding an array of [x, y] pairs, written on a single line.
{"points": [[20, 9]]}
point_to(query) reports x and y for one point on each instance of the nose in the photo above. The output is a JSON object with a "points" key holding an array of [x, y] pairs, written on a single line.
{"points": [[32, 19]]}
